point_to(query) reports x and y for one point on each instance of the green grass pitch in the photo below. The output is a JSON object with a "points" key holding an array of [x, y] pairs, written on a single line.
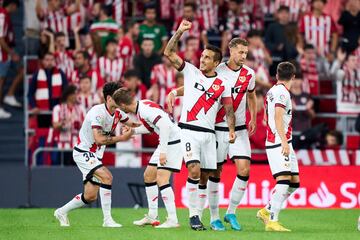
{"points": [[86, 224]]}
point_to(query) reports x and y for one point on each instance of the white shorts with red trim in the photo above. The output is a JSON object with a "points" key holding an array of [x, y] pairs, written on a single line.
{"points": [[174, 157], [279, 164], [87, 162]]}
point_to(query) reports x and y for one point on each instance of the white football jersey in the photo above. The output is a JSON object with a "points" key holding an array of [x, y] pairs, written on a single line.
{"points": [[278, 96], [150, 113], [202, 97], [240, 81], [98, 117]]}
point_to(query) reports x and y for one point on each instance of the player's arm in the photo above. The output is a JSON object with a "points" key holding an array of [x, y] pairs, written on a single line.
{"points": [[131, 123], [140, 130], [165, 129], [279, 125], [101, 139], [230, 118], [251, 100], [172, 96], [171, 47]]}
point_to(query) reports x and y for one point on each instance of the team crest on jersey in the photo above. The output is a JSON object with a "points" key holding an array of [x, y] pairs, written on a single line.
{"points": [[216, 87], [242, 79], [99, 119]]}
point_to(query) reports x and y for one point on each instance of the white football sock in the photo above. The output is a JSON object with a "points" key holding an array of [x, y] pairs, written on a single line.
{"points": [[77, 202], [201, 201], [168, 198], [105, 197], [278, 196], [213, 191], [152, 194], [192, 188], [237, 193]]}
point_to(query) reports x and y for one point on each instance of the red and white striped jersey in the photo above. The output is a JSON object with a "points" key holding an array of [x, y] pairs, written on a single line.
{"points": [[237, 25], [54, 20], [87, 101], [126, 51], [119, 7], [241, 82], [278, 96], [310, 76], [71, 119], [296, 7], [197, 28], [165, 9], [259, 56], [111, 70], [6, 31], [99, 117], [93, 57], [65, 61], [208, 10], [357, 54], [318, 31], [165, 79], [203, 96], [97, 81], [178, 7]]}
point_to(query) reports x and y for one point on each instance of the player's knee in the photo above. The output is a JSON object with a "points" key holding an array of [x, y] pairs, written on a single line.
{"points": [[107, 179], [161, 181], [149, 177], [244, 171], [194, 170], [217, 173]]}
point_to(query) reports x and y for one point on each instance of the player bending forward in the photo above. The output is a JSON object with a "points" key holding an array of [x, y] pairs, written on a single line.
{"points": [[242, 81], [204, 93], [166, 159], [96, 131], [279, 151]]}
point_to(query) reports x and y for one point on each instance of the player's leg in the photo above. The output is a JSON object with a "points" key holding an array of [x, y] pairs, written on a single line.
{"points": [[89, 195], [213, 191], [104, 175], [202, 193], [168, 197], [295, 179], [152, 194], [4, 66], [240, 153]]}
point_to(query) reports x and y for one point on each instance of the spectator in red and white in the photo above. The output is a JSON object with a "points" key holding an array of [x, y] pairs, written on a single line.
{"points": [[7, 52], [145, 60], [47, 85], [318, 29], [197, 29], [303, 105], [110, 66], [105, 28], [162, 82], [57, 18], [258, 49], [83, 68], [63, 57], [128, 46], [179, 79], [84, 42], [191, 53], [357, 52], [67, 118], [208, 10], [297, 8], [237, 23], [132, 81], [258, 9], [277, 39], [118, 9], [263, 79], [350, 22], [86, 96], [309, 69]]}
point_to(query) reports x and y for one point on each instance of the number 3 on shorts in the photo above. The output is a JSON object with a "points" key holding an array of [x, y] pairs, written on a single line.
{"points": [[188, 147], [88, 155]]}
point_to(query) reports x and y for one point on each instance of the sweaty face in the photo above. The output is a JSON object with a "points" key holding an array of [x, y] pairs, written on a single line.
{"points": [[239, 54], [207, 62]]}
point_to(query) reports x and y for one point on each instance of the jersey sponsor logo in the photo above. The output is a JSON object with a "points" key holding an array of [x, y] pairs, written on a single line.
{"points": [[207, 100]]}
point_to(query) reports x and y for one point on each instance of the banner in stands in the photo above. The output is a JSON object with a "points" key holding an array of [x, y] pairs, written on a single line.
{"points": [[321, 187]]}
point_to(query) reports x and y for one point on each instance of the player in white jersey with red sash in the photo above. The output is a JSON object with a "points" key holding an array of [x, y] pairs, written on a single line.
{"points": [[241, 78], [96, 132], [281, 156], [166, 159], [204, 93]]}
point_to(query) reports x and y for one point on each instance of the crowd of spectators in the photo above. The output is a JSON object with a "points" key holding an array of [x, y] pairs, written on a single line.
{"points": [[83, 44]]}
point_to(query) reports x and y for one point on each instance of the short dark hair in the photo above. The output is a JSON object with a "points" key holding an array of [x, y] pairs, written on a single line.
{"points": [[283, 8], [83, 76], [285, 71], [47, 53], [107, 9], [123, 95], [254, 33], [8, 2], [130, 24], [150, 6], [147, 39], [324, 1], [69, 90], [111, 40], [238, 41], [338, 135], [59, 34], [189, 38], [190, 4], [308, 46], [109, 89], [85, 54], [131, 73], [217, 52]]}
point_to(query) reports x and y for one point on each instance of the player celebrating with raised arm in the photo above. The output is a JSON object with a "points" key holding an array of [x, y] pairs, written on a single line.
{"points": [[166, 159], [242, 81], [204, 93], [280, 153], [96, 132]]}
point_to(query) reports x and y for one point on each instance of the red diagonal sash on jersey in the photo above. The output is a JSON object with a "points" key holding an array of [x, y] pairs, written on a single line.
{"points": [[152, 104], [242, 82], [116, 121], [213, 93]]}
